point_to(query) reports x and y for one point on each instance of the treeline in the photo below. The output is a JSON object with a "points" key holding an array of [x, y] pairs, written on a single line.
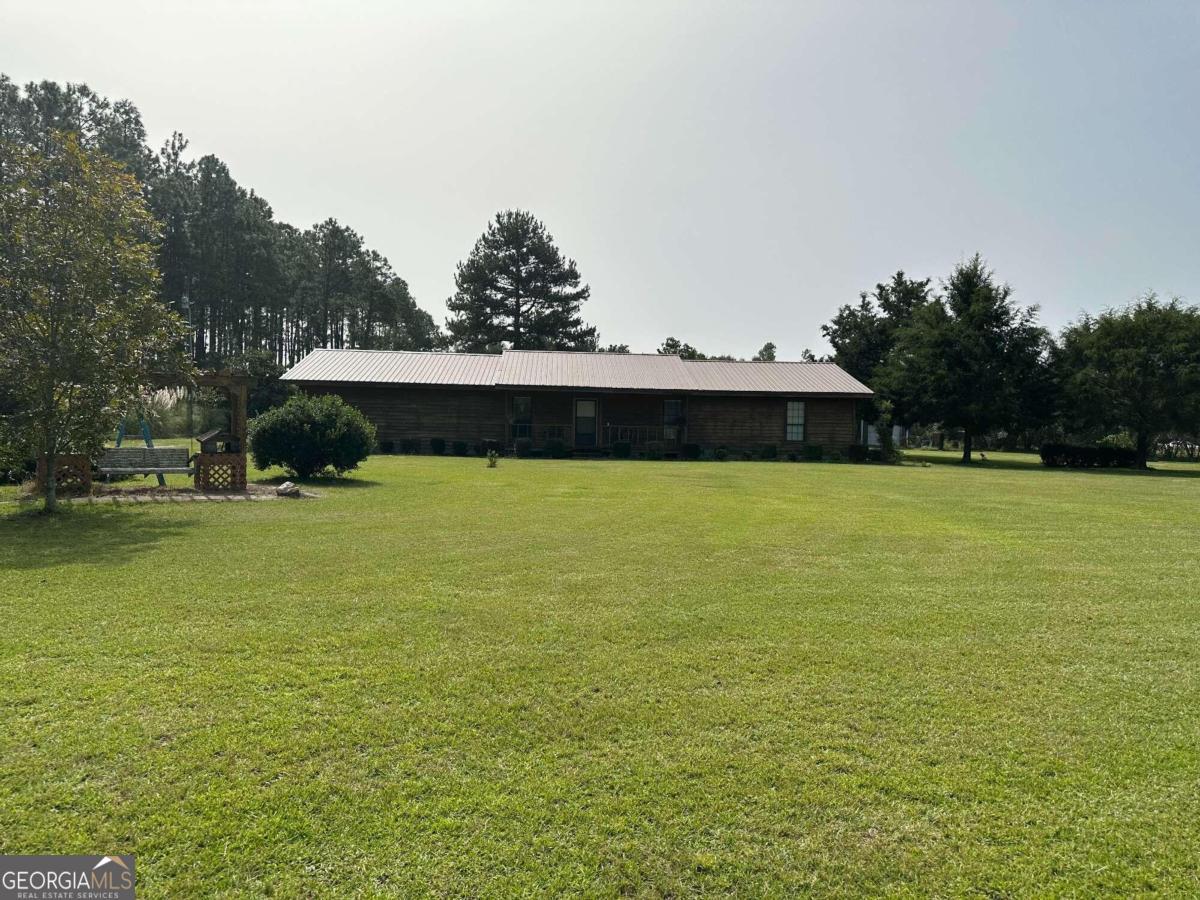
{"points": [[964, 356], [244, 280]]}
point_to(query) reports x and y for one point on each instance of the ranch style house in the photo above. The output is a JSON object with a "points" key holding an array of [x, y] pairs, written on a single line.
{"points": [[589, 402]]}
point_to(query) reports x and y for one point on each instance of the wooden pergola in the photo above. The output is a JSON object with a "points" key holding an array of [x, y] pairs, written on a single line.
{"points": [[225, 469]]}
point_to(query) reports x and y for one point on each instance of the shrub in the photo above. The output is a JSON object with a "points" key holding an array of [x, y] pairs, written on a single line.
{"points": [[493, 459], [1122, 439], [835, 456], [622, 449], [654, 449], [460, 448], [523, 446], [437, 446], [876, 454], [793, 456], [556, 448], [307, 435], [387, 446], [410, 445], [856, 453], [747, 455], [720, 454], [483, 448], [1077, 457], [691, 451], [814, 452], [768, 451]]}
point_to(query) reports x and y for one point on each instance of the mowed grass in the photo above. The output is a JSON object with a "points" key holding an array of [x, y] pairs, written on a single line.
{"points": [[617, 678]]}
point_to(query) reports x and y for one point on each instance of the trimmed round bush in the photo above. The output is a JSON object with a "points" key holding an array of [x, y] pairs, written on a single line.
{"points": [[308, 435]]}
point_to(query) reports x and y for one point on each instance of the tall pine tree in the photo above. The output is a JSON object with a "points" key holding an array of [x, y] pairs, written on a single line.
{"points": [[516, 290]]}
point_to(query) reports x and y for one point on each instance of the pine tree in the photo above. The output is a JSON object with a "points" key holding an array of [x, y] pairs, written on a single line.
{"points": [[516, 290]]}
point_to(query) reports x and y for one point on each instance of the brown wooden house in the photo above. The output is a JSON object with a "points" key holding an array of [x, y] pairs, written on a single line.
{"points": [[590, 401]]}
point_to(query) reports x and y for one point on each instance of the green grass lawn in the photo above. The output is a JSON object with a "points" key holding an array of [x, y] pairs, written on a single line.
{"points": [[608, 678]]}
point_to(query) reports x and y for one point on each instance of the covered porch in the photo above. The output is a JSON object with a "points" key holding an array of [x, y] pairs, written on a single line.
{"points": [[595, 422]]}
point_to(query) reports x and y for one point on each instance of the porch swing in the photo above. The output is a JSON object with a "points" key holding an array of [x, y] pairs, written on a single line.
{"points": [[147, 460], [220, 463]]}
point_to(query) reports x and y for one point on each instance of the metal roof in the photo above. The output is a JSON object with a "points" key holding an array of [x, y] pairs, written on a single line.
{"points": [[565, 369], [397, 367], [615, 371]]}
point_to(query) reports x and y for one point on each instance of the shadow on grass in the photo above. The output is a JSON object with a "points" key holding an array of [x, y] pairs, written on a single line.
{"points": [[31, 539], [1034, 464], [327, 481]]}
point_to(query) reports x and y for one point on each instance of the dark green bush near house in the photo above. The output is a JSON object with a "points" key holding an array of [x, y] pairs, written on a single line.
{"points": [[793, 456], [768, 451], [308, 435], [1078, 457], [460, 448], [876, 454], [691, 451], [387, 446], [747, 455], [410, 445], [523, 446], [720, 454], [622, 449], [485, 448], [654, 449], [556, 449], [437, 446], [856, 453], [814, 452]]}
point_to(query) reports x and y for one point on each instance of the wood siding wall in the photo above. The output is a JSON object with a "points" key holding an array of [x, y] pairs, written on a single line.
{"points": [[404, 413], [401, 413], [753, 421]]}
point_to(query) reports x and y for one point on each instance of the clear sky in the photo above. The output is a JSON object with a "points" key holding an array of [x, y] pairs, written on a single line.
{"points": [[729, 173]]}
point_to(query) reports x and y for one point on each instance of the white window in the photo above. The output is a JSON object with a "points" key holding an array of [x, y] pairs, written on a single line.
{"points": [[795, 420]]}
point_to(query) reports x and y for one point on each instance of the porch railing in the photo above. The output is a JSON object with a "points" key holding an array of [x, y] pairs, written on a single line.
{"points": [[540, 434], [640, 435]]}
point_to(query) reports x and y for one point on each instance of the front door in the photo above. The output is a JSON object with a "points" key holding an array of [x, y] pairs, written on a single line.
{"points": [[585, 423]]}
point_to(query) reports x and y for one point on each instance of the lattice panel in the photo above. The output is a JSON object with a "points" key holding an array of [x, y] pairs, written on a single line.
{"points": [[220, 472], [73, 472]]}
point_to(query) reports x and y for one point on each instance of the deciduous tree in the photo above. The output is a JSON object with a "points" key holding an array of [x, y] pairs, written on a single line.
{"points": [[82, 331], [1136, 368]]}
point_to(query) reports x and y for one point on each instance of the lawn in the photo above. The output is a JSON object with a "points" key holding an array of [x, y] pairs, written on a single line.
{"points": [[617, 677]]}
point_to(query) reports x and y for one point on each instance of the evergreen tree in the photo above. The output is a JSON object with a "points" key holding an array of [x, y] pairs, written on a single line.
{"points": [[516, 290], [961, 359]]}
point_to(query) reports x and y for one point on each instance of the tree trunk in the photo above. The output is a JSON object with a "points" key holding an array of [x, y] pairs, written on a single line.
{"points": [[966, 457], [51, 487], [1143, 449]]}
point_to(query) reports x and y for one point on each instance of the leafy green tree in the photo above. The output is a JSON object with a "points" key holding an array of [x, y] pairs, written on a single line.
{"points": [[863, 335], [766, 354], [961, 357], [517, 290], [81, 329], [1136, 368], [672, 346], [615, 348]]}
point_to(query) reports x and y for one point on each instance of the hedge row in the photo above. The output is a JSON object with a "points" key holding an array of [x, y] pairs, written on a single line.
{"points": [[1077, 457]]}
